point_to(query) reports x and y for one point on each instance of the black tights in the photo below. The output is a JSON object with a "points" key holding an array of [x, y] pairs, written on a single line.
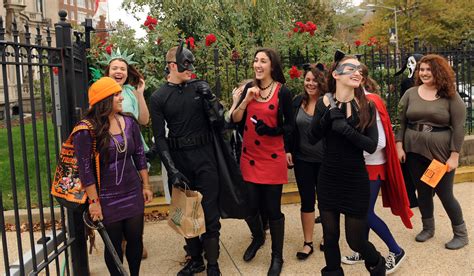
{"points": [[266, 199], [356, 237], [131, 230]]}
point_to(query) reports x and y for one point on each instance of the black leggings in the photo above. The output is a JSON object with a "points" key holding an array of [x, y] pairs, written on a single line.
{"points": [[131, 230], [306, 174], [356, 236], [266, 198], [418, 164]]}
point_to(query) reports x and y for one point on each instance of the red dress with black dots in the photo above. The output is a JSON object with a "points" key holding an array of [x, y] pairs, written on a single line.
{"points": [[263, 159]]}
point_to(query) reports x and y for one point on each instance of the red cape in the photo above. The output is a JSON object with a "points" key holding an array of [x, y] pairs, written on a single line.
{"points": [[394, 194]]}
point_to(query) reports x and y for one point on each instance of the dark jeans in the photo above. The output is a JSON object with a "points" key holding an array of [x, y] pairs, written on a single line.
{"points": [[444, 190], [131, 230], [306, 174], [266, 198]]}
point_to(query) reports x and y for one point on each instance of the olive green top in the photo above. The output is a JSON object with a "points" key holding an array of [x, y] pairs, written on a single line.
{"points": [[441, 112]]}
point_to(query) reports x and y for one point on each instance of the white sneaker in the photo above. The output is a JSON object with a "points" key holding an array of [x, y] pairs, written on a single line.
{"points": [[393, 261], [353, 259]]}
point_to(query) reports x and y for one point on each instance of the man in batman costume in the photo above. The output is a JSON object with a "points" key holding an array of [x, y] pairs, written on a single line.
{"points": [[406, 84], [191, 111]]}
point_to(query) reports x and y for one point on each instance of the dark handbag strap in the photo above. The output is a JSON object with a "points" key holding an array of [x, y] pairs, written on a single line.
{"points": [[88, 126]]}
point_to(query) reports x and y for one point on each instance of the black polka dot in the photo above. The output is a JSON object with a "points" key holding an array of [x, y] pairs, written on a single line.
{"points": [[244, 150], [274, 155], [257, 142], [246, 128], [252, 163], [271, 107]]}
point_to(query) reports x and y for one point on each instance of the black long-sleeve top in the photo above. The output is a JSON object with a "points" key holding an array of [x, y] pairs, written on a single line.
{"points": [[182, 108]]}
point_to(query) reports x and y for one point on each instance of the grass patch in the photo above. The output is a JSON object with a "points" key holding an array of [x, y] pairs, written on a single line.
{"points": [[6, 181]]}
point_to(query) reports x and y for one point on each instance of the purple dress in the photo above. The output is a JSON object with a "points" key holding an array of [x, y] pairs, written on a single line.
{"points": [[120, 197]]}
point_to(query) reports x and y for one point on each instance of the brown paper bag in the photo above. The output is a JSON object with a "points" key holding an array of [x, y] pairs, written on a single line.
{"points": [[186, 215]]}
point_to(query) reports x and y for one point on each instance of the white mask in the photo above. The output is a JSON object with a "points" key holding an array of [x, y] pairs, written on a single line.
{"points": [[411, 65]]}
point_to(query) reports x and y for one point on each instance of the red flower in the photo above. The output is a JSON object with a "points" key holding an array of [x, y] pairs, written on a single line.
{"points": [[372, 41], [210, 39], [158, 41], [150, 22], [102, 42], [357, 43], [310, 27], [301, 26], [193, 76], [295, 29], [190, 42], [108, 49], [55, 71], [294, 72]]}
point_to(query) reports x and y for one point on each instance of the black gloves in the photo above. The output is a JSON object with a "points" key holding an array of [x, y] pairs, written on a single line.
{"points": [[175, 177], [178, 180], [204, 90], [262, 129]]}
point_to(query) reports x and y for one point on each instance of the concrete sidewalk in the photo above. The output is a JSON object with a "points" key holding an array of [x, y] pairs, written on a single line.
{"points": [[165, 247]]}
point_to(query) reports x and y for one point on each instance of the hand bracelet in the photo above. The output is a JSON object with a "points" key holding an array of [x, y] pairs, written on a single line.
{"points": [[147, 187], [95, 200]]}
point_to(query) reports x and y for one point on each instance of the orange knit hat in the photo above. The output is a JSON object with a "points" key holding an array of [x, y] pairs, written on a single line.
{"points": [[101, 89]]}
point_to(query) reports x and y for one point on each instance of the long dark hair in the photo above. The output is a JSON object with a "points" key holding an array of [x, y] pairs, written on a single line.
{"points": [[365, 118], [277, 71], [98, 115], [133, 77], [369, 83], [320, 77]]}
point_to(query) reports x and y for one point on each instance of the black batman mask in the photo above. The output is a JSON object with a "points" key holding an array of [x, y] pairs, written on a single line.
{"points": [[184, 59]]}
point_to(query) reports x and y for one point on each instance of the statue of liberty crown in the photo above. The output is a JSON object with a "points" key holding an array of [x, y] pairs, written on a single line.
{"points": [[116, 54]]}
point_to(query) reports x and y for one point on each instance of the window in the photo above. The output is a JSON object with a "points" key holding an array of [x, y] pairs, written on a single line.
{"points": [[81, 3], [72, 15], [66, 2], [81, 17]]}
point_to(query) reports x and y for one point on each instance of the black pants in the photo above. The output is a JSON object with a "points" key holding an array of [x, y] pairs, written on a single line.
{"points": [[266, 198], [417, 165], [306, 174], [356, 236], [409, 185], [131, 230], [200, 167]]}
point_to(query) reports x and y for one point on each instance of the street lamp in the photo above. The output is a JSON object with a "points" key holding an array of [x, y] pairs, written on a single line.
{"points": [[395, 11]]}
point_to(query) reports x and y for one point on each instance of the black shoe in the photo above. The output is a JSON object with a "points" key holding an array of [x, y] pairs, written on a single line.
{"points": [[321, 246], [303, 255], [193, 266], [377, 270], [258, 237], [213, 270], [277, 232], [317, 220]]}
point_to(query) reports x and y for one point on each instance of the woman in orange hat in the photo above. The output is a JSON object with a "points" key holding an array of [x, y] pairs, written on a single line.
{"points": [[124, 187]]}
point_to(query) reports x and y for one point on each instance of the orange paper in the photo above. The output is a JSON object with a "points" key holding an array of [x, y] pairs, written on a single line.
{"points": [[434, 173]]}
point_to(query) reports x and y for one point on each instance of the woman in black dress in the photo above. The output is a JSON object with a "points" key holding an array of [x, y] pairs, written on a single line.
{"points": [[344, 119]]}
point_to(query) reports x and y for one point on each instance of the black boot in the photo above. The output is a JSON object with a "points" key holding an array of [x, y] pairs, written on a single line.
{"points": [[378, 269], [277, 231], [258, 236], [196, 263], [337, 272], [211, 252]]}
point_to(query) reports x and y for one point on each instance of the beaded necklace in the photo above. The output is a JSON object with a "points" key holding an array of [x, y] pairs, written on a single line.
{"points": [[269, 93], [119, 148]]}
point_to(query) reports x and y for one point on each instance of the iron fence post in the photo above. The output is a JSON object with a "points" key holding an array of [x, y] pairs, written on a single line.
{"points": [[78, 249]]}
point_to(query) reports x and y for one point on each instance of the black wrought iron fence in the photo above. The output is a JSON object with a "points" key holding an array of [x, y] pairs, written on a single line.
{"points": [[42, 97], [225, 69]]}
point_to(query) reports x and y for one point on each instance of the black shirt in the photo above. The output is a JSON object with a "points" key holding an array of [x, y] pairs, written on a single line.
{"points": [[182, 109]]}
